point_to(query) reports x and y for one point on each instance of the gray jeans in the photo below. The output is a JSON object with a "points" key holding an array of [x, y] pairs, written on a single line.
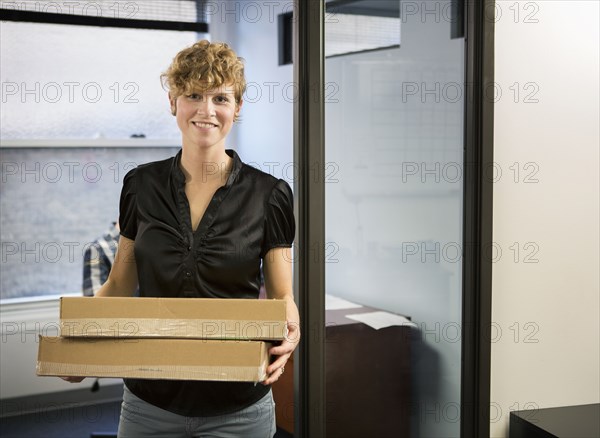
{"points": [[141, 419]]}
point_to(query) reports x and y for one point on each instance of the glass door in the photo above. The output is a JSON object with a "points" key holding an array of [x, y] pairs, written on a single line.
{"points": [[394, 120]]}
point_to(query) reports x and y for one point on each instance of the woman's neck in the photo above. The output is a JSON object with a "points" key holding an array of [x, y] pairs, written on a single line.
{"points": [[205, 165]]}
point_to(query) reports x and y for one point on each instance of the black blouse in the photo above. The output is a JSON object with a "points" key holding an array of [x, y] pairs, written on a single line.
{"points": [[251, 214]]}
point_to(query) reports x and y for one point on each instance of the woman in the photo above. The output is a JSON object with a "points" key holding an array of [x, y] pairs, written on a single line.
{"points": [[198, 225]]}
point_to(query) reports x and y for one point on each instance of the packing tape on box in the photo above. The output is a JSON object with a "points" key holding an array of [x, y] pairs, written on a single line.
{"points": [[173, 328], [150, 371]]}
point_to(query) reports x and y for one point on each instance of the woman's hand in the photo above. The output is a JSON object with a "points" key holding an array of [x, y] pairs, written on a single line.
{"points": [[284, 351], [277, 268], [72, 379]]}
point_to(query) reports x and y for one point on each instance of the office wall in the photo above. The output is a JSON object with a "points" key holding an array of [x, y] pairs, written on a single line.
{"points": [[545, 349], [264, 135]]}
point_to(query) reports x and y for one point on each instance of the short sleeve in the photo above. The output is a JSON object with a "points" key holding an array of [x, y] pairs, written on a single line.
{"points": [[280, 226], [128, 206]]}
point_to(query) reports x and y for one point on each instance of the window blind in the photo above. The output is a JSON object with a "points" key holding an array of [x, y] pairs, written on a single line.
{"points": [[182, 15]]}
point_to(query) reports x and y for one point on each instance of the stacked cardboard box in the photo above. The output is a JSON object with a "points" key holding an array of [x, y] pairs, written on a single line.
{"points": [[163, 338]]}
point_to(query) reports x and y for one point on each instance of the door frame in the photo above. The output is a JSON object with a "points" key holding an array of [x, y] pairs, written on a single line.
{"points": [[309, 187], [478, 218], [309, 273]]}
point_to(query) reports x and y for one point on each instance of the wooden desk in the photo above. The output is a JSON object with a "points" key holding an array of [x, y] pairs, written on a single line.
{"points": [[367, 375]]}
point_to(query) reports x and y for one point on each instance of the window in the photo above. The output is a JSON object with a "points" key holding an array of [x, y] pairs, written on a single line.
{"points": [[78, 82], [349, 33], [72, 99], [351, 26], [55, 202]]}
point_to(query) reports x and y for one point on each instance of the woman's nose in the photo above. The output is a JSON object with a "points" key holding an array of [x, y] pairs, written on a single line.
{"points": [[205, 107]]}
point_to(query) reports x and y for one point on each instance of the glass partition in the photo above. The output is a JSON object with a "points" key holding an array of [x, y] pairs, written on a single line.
{"points": [[394, 194]]}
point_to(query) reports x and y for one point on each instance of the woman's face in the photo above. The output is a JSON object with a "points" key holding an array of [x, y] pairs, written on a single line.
{"points": [[206, 117]]}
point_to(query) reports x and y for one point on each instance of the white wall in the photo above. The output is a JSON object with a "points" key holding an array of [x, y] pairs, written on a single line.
{"points": [[553, 358], [264, 136]]}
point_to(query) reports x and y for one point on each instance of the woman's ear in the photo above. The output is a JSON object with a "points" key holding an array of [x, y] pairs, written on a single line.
{"points": [[173, 104], [238, 108]]}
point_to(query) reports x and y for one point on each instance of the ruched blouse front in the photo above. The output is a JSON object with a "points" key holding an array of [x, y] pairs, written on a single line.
{"points": [[249, 215]]}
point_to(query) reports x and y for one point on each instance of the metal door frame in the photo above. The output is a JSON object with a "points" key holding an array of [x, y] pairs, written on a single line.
{"points": [[309, 187]]}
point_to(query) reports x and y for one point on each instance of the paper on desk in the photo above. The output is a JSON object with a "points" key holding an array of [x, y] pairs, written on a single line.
{"points": [[379, 320], [334, 303]]}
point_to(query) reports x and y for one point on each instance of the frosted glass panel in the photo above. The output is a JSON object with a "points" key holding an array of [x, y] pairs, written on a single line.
{"points": [[82, 82], [54, 202], [394, 210]]}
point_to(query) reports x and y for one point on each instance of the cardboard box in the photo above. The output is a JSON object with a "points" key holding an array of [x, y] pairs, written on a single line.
{"points": [[173, 359], [201, 318]]}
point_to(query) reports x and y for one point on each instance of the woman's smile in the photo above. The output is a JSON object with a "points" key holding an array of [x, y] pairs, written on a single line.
{"points": [[206, 117]]}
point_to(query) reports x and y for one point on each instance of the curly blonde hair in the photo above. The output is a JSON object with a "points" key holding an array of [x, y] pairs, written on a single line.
{"points": [[205, 66]]}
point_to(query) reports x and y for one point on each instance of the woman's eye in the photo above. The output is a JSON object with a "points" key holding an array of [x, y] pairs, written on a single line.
{"points": [[222, 99], [195, 96]]}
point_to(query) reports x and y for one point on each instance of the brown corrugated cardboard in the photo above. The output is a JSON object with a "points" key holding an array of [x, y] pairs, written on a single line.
{"points": [[202, 318], [173, 359]]}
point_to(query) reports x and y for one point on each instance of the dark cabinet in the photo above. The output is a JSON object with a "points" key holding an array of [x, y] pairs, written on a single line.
{"points": [[581, 421], [367, 380]]}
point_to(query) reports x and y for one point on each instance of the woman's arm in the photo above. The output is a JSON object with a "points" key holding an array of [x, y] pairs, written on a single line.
{"points": [[277, 267], [122, 280]]}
